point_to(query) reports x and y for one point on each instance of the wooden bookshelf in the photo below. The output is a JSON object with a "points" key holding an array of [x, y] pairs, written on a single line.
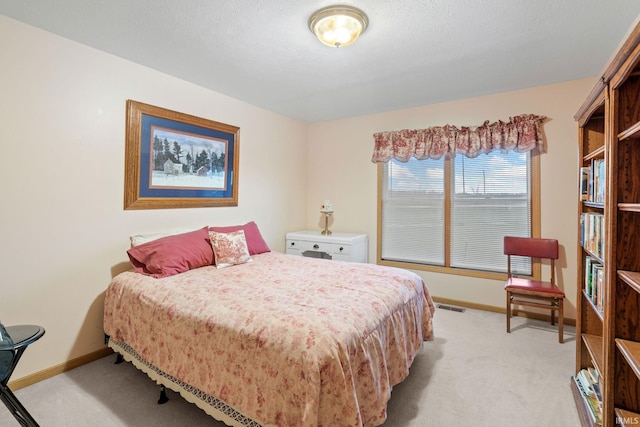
{"points": [[609, 340], [590, 320]]}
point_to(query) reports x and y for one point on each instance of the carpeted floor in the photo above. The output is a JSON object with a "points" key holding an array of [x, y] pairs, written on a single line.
{"points": [[473, 374]]}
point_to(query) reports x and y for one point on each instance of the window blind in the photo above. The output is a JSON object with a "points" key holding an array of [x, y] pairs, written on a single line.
{"points": [[490, 199], [413, 202]]}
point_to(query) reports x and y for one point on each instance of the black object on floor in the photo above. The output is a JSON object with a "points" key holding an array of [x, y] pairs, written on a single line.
{"points": [[13, 342]]}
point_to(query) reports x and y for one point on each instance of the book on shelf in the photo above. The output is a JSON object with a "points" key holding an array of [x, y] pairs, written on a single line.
{"points": [[594, 281], [593, 375], [587, 386], [592, 233], [592, 182], [599, 193], [588, 281], [585, 174], [600, 288]]}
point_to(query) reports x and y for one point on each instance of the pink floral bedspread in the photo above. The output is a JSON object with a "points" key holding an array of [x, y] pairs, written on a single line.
{"points": [[286, 340]]}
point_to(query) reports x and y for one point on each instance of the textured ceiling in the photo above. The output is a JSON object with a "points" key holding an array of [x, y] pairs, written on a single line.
{"points": [[415, 52]]}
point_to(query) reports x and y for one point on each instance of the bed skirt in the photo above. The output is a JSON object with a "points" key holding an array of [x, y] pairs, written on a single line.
{"points": [[213, 406]]}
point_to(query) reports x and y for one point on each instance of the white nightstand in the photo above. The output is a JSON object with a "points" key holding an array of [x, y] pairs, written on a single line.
{"points": [[339, 246]]}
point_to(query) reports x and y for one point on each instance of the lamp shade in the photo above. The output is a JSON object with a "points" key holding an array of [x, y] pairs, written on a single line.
{"points": [[326, 207], [338, 26]]}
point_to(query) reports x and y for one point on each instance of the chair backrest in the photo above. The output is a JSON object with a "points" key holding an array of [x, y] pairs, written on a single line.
{"points": [[531, 247]]}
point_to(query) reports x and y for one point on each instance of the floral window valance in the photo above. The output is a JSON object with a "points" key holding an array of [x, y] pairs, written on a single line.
{"points": [[521, 133]]}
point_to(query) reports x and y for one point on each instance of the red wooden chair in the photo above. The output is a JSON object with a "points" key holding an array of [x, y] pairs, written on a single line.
{"points": [[533, 293]]}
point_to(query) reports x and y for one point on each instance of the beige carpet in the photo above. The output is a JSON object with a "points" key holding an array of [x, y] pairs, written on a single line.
{"points": [[473, 374]]}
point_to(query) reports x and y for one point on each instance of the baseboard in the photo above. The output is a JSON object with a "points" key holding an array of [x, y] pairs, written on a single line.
{"points": [[58, 369], [502, 310]]}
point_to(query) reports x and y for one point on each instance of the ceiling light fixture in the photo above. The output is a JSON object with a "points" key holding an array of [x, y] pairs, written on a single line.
{"points": [[338, 26]]}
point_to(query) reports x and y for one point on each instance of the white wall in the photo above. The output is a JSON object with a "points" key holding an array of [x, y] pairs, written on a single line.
{"points": [[340, 169], [63, 227]]}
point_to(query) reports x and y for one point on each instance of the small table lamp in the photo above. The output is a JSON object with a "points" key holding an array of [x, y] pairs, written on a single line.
{"points": [[327, 210]]}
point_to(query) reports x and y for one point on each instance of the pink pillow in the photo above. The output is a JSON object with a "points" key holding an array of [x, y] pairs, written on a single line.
{"points": [[229, 248], [172, 254], [255, 242]]}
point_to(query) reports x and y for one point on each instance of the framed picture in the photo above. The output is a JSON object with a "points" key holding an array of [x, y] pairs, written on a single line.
{"points": [[175, 160]]}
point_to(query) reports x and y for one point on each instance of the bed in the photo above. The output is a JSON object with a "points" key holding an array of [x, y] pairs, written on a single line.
{"points": [[276, 340]]}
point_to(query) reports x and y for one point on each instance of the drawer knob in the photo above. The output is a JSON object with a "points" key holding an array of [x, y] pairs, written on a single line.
{"points": [[341, 248], [293, 243], [316, 246]]}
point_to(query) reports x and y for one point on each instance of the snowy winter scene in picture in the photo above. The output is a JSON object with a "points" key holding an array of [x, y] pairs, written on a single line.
{"points": [[184, 160]]}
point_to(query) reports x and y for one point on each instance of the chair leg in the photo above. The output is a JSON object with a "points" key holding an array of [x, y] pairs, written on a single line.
{"points": [[19, 412], [508, 312], [560, 319]]}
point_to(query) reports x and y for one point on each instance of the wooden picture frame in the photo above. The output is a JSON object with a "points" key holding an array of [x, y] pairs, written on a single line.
{"points": [[175, 160]]}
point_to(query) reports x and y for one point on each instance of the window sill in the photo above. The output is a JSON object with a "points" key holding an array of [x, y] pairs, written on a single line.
{"points": [[445, 270]]}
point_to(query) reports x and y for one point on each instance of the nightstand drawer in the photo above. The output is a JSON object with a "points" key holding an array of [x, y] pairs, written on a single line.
{"points": [[293, 247], [330, 248]]}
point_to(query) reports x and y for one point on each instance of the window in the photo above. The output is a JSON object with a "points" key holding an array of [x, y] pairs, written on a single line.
{"points": [[451, 214]]}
